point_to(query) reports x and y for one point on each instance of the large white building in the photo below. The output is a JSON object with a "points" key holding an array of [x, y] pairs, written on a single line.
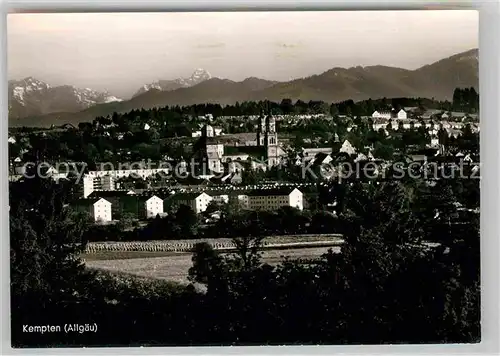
{"points": [[98, 208]]}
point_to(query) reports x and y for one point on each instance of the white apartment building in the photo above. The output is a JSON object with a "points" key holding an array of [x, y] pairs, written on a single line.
{"points": [[98, 208], [196, 201], [106, 179], [123, 173], [275, 198], [150, 207]]}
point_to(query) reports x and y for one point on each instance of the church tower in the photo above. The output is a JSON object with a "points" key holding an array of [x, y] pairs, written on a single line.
{"points": [[271, 141], [261, 130]]}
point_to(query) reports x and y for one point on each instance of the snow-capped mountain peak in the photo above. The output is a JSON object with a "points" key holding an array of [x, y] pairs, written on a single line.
{"points": [[31, 96], [22, 88], [199, 75]]}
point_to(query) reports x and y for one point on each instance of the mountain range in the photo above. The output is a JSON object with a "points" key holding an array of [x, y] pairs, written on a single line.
{"points": [[437, 80], [30, 97], [198, 76]]}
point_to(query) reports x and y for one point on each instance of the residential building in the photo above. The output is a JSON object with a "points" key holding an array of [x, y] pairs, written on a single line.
{"points": [[402, 115], [197, 201], [151, 207], [274, 198], [311, 153], [382, 115], [127, 171], [89, 184], [99, 209], [117, 198], [219, 197]]}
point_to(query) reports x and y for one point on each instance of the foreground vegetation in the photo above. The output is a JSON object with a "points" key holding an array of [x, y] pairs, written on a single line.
{"points": [[384, 287]]}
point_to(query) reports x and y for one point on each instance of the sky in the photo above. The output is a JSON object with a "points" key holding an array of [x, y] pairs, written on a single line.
{"points": [[120, 52]]}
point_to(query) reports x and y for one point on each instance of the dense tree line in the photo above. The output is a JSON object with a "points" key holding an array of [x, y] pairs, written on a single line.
{"points": [[285, 107], [466, 99]]}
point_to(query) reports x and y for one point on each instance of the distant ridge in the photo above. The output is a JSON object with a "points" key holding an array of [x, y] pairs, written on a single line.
{"points": [[437, 80]]}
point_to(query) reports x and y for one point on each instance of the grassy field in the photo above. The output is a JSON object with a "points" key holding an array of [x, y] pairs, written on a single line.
{"points": [[125, 255], [175, 266]]}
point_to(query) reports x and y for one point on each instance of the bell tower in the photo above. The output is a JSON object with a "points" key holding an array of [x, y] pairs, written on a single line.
{"points": [[261, 130], [271, 141]]}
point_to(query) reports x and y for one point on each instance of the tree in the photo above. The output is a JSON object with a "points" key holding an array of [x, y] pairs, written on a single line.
{"points": [[383, 151], [334, 111], [286, 106], [207, 265], [213, 207], [187, 220], [126, 221], [46, 239]]}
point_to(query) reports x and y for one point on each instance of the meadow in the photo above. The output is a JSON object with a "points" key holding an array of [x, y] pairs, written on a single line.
{"points": [[174, 266]]}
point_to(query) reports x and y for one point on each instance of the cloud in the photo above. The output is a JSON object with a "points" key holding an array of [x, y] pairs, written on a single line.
{"points": [[288, 45], [286, 55], [211, 45]]}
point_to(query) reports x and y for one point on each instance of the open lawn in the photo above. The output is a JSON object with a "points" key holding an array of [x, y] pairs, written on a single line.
{"points": [[175, 266], [125, 255]]}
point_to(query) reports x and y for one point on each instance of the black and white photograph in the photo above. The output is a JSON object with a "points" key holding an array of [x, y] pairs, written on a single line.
{"points": [[244, 178]]}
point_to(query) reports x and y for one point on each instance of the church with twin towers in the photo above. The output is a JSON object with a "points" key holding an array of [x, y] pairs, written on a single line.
{"points": [[229, 153]]}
